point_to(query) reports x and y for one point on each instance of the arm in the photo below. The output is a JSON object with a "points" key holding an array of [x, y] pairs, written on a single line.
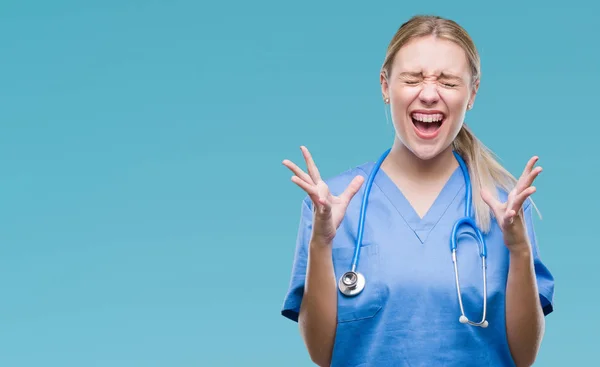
{"points": [[312, 297], [530, 286], [524, 315], [318, 311]]}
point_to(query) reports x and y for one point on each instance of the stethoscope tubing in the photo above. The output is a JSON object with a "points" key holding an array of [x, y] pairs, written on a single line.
{"points": [[352, 282], [363, 209]]}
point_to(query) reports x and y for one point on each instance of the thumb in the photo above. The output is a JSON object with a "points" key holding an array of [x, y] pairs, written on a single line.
{"points": [[491, 201], [352, 188]]}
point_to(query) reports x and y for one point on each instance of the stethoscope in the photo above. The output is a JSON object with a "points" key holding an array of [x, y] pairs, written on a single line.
{"points": [[352, 282]]}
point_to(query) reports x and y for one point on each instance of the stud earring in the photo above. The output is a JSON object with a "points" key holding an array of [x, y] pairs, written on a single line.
{"points": [[469, 106], [387, 100]]}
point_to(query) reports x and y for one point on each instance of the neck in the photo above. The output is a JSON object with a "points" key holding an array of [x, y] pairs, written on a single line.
{"points": [[403, 162]]}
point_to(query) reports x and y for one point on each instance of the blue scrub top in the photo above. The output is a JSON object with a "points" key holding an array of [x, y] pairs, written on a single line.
{"points": [[408, 313]]}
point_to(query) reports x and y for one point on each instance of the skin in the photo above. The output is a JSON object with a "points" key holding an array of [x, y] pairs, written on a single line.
{"points": [[525, 323], [318, 312], [429, 74], [420, 79], [426, 74]]}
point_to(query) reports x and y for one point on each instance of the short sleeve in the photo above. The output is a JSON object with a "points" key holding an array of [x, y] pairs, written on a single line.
{"points": [[545, 280], [293, 297]]}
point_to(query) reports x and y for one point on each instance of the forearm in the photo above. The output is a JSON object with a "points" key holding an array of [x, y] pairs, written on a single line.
{"points": [[524, 315], [318, 312]]}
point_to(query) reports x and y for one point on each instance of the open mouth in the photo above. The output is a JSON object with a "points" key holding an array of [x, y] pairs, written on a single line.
{"points": [[427, 124]]}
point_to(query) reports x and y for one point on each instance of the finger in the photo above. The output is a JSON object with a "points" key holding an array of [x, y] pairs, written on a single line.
{"points": [[495, 205], [321, 203], [510, 199], [323, 191], [310, 165], [311, 190], [520, 198], [529, 174], [352, 188], [533, 175], [490, 200], [529, 166], [323, 197], [297, 171], [509, 217], [527, 181]]}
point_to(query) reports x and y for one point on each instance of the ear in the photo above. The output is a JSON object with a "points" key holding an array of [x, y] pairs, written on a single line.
{"points": [[384, 86], [474, 90]]}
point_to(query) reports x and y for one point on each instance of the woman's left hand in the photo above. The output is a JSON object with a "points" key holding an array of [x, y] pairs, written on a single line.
{"points": [[509, 215]]}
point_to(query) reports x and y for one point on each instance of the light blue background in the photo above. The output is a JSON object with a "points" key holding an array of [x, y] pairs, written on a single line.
{"points": [[146, 219]]}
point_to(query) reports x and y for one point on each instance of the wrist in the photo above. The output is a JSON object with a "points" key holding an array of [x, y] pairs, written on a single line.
{"points": [[320, 243], [320, 250], [520, 251]]}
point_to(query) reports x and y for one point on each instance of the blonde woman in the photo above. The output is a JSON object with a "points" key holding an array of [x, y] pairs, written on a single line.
{"points": [[375, 280]]}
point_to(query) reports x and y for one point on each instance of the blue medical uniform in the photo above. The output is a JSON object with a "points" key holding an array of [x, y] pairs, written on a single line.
{"points": [[408, 313]]}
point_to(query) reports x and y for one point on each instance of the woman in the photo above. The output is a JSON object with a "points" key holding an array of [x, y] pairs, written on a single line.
{"points": [[409, 312]]}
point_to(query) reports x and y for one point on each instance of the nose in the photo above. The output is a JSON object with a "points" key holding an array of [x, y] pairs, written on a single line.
{"points": [[429, 94]]}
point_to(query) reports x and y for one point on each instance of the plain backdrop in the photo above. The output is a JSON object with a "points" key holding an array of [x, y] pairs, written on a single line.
{"points": [[145, 216]]}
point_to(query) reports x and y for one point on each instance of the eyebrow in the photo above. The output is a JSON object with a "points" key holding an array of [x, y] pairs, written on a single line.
{"points": [[411, 73], [449, 76], [419, 74]]}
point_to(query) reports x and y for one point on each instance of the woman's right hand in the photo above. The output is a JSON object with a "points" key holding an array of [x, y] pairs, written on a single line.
{"points": [[329, 210]]}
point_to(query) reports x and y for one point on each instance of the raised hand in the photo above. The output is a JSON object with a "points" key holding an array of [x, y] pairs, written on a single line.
{"points": [[509, 215], [329, 210]]}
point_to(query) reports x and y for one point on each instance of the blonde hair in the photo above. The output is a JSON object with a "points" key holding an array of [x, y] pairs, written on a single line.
{"points": [[484, 169]]}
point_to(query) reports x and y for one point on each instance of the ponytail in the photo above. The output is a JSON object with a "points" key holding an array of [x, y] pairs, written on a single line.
{"points": [[485, 172]]}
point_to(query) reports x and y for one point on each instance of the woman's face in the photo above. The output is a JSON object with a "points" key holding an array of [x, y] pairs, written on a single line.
{"points": [[429, 90]]}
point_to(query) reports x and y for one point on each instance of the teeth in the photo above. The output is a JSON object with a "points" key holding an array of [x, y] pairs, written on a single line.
{"points": [[423, 117]]}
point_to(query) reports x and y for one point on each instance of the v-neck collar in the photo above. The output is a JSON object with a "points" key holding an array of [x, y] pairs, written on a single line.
{"points": [[420, 226]]}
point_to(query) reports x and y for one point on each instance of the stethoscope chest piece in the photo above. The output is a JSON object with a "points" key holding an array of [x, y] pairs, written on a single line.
{"points": [[351, 283]]}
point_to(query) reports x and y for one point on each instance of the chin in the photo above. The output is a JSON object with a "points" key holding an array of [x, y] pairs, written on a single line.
{"points": [[425, 151]]}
